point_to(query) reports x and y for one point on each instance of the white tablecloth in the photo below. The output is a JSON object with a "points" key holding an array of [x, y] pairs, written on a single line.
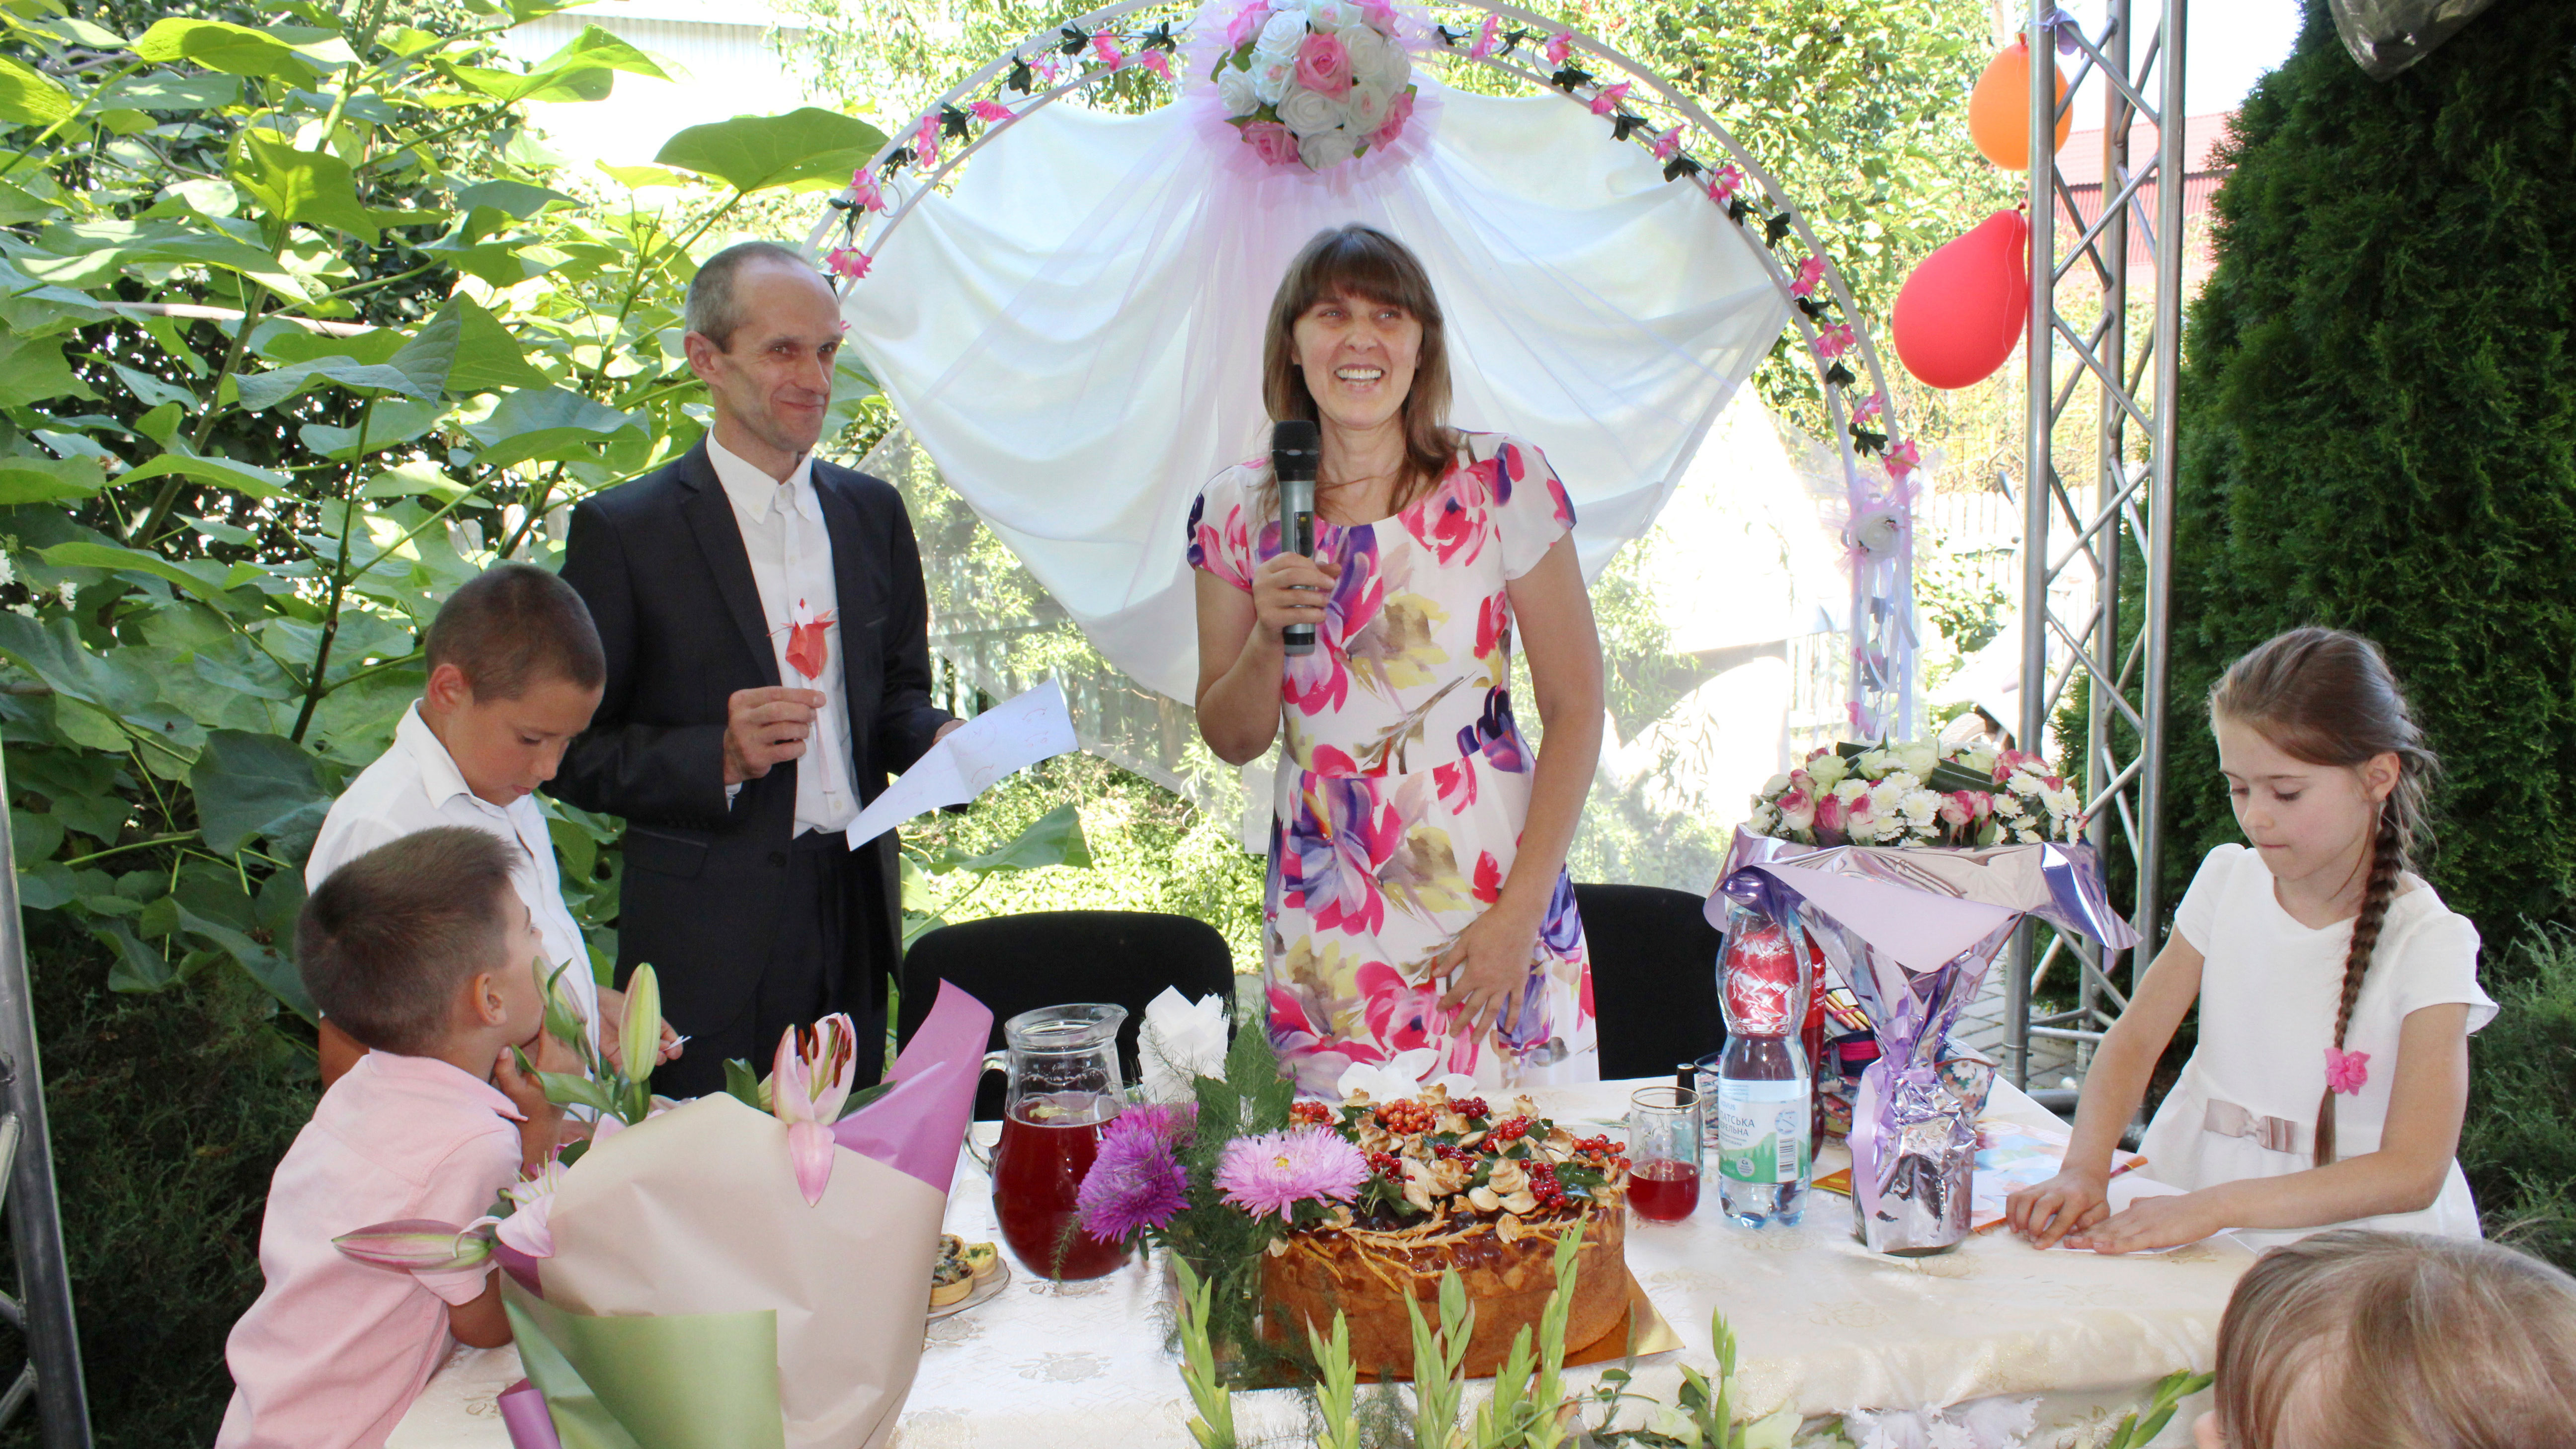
{"points": [[1821, 1324]]}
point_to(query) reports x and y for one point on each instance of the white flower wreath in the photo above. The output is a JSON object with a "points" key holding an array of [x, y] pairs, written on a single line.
{"points": [[1315, 83]]}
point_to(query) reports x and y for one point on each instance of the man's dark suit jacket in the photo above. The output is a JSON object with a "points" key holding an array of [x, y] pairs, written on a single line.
{"points": [[661, 563]]}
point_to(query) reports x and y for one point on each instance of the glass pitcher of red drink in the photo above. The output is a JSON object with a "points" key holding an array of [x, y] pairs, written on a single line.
{"points": [[1064, 1087]]}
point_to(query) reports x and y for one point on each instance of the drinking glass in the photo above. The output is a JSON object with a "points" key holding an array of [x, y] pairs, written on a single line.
{"points": [[1664, 1153]]}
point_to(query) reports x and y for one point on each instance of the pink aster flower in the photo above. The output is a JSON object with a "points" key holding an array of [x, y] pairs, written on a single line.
{"points": [[849, 262], [1105, 50], [1811, 274], [1135, 1183], [990, 111], [1724, 182], [1487, 38], [1668, 144], [1398, 112], [1559, 46], [1610, 97], [1275, 1171], [1274, 142], [863, 191], [1155, 61], [1324, 65], [1903, 459]]}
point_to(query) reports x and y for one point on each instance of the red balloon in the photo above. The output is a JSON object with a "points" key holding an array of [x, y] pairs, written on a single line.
{"points": [[1962, 311]]}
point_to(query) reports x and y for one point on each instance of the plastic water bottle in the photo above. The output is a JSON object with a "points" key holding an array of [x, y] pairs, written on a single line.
{"points": [[1765, 1103]]}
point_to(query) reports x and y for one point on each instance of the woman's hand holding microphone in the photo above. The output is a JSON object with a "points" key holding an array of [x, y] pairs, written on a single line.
{"points": [[1291, 589]]}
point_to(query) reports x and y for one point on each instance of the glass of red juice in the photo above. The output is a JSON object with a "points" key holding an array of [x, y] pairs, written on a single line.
{"points": [[1664, 1153], [1048, 1140]]}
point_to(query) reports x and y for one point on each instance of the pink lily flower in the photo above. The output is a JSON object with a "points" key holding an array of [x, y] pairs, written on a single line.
{"points": [[808, 1083], [864, 192], [990, 111], [1106, 51], [1487, 38], [419, 1245], [1669, 144], [1610, 97], [925, 142], [1903, 459], [1559, 46], [529, 1227], [1868, 408], [1724, 182], [849, 262], [1155, 61], [1833, 342], [1811, 274]]}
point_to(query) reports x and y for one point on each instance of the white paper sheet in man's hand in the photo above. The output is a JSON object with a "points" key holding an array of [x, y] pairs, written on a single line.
{"points": [[1031, 728]]}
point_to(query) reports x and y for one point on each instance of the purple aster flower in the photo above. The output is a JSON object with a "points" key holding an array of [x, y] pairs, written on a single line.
{"points": [[1275, 1171], [1135, 1183]]}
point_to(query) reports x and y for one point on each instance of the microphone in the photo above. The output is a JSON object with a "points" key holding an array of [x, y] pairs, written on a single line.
{"points": [[1296, 452]]}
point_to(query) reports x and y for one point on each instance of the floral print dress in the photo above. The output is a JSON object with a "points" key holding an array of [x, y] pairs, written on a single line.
{"points": [[1405, 782]]}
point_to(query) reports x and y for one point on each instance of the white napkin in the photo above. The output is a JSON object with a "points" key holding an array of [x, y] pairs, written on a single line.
{"points": [[1181, 1041]]}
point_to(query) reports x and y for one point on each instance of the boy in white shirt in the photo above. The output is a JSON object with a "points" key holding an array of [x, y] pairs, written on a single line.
{"points": [[515, 671]]}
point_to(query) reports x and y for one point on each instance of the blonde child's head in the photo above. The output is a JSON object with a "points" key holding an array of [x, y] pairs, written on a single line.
{"points": [[2329, 776], [2396, 1341]]}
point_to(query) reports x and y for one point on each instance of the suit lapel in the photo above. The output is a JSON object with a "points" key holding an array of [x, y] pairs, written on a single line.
{"points": [[710, 517]]}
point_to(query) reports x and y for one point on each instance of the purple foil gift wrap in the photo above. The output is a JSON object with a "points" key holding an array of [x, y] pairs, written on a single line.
{"points": [[1912, 931]]}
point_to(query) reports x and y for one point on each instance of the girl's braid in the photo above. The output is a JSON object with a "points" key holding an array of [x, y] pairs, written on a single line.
{"points": [[2387, 858]]}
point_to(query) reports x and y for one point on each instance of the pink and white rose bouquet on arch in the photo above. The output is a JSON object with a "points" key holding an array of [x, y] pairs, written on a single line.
{"points": [[1315, 82], [1915, 793]]}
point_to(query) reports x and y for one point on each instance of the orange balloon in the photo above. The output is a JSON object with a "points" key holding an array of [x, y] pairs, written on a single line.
{"points": [[1999, 108], [1958, 317]]}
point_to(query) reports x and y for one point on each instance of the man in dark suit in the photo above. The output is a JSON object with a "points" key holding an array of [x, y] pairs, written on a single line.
{"points": [[764, 621]]}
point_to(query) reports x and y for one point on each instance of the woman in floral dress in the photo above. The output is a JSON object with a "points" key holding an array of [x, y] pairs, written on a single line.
{"points": [[1417, 888]]}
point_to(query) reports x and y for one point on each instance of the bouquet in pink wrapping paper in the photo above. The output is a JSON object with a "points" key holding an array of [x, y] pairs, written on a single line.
{"points": [[1910, 871], [750, 1268]]}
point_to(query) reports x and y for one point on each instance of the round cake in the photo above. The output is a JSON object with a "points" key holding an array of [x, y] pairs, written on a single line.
{"points": [[1455, 1185]]}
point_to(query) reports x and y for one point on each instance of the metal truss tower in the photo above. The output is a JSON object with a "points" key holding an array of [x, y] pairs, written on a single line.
{"points": [[2097, 504]]}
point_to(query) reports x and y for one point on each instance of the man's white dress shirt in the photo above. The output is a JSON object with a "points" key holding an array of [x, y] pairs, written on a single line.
{"points": [[791, 562], [415, 786]]}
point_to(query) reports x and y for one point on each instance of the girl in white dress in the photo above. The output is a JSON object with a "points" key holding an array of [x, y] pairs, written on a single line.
{"points": [[2336, 992]]}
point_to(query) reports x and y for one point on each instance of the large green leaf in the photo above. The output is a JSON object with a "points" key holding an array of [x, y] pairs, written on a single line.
{"points": [[163, 91], [205, 578], [91, 253], [29, 98], [232, 49], [250, 786], [546, 422], [247, 478], [313, 187], [417, 369], [1054, 838], [487, 356], [266, 965], [754, 153], [32, 369], [516, 198], [54, 652], [48, 480], [139, 965], [391, 423]]}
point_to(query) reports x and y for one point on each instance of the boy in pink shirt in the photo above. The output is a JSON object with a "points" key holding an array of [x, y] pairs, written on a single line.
{"points": [[422, 951]]}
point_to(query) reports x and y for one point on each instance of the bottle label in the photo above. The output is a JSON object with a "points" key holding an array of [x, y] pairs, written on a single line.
{"points": [[1762, 1131]]}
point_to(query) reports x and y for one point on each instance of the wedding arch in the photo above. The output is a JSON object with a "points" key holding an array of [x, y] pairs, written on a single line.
{"points": [[897, 239]]}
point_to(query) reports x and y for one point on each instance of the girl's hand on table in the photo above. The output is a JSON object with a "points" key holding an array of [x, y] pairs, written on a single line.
{"points": [[2073, 1200], [1488, 967], [2151, 1223]]}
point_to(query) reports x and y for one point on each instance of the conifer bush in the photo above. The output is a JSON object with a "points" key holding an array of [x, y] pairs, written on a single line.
{"points": [[2379, 434]]}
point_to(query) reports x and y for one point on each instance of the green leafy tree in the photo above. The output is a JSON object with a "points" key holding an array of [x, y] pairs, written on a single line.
{"points": [[2379, 433]]}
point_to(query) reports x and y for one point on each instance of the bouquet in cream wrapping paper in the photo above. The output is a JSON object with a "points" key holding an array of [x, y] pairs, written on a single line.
{"points": [[685, 1245], [1912, 931]]}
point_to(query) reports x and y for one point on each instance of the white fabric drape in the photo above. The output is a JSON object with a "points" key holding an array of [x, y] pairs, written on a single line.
{"points": [[1075, 332]]}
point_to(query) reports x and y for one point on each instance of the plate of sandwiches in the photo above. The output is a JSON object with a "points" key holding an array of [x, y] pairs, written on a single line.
{"points": [[965, 1274]]}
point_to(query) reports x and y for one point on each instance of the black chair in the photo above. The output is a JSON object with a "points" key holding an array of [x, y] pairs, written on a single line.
{"points": [[1654, 977], [1047, 958]]}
